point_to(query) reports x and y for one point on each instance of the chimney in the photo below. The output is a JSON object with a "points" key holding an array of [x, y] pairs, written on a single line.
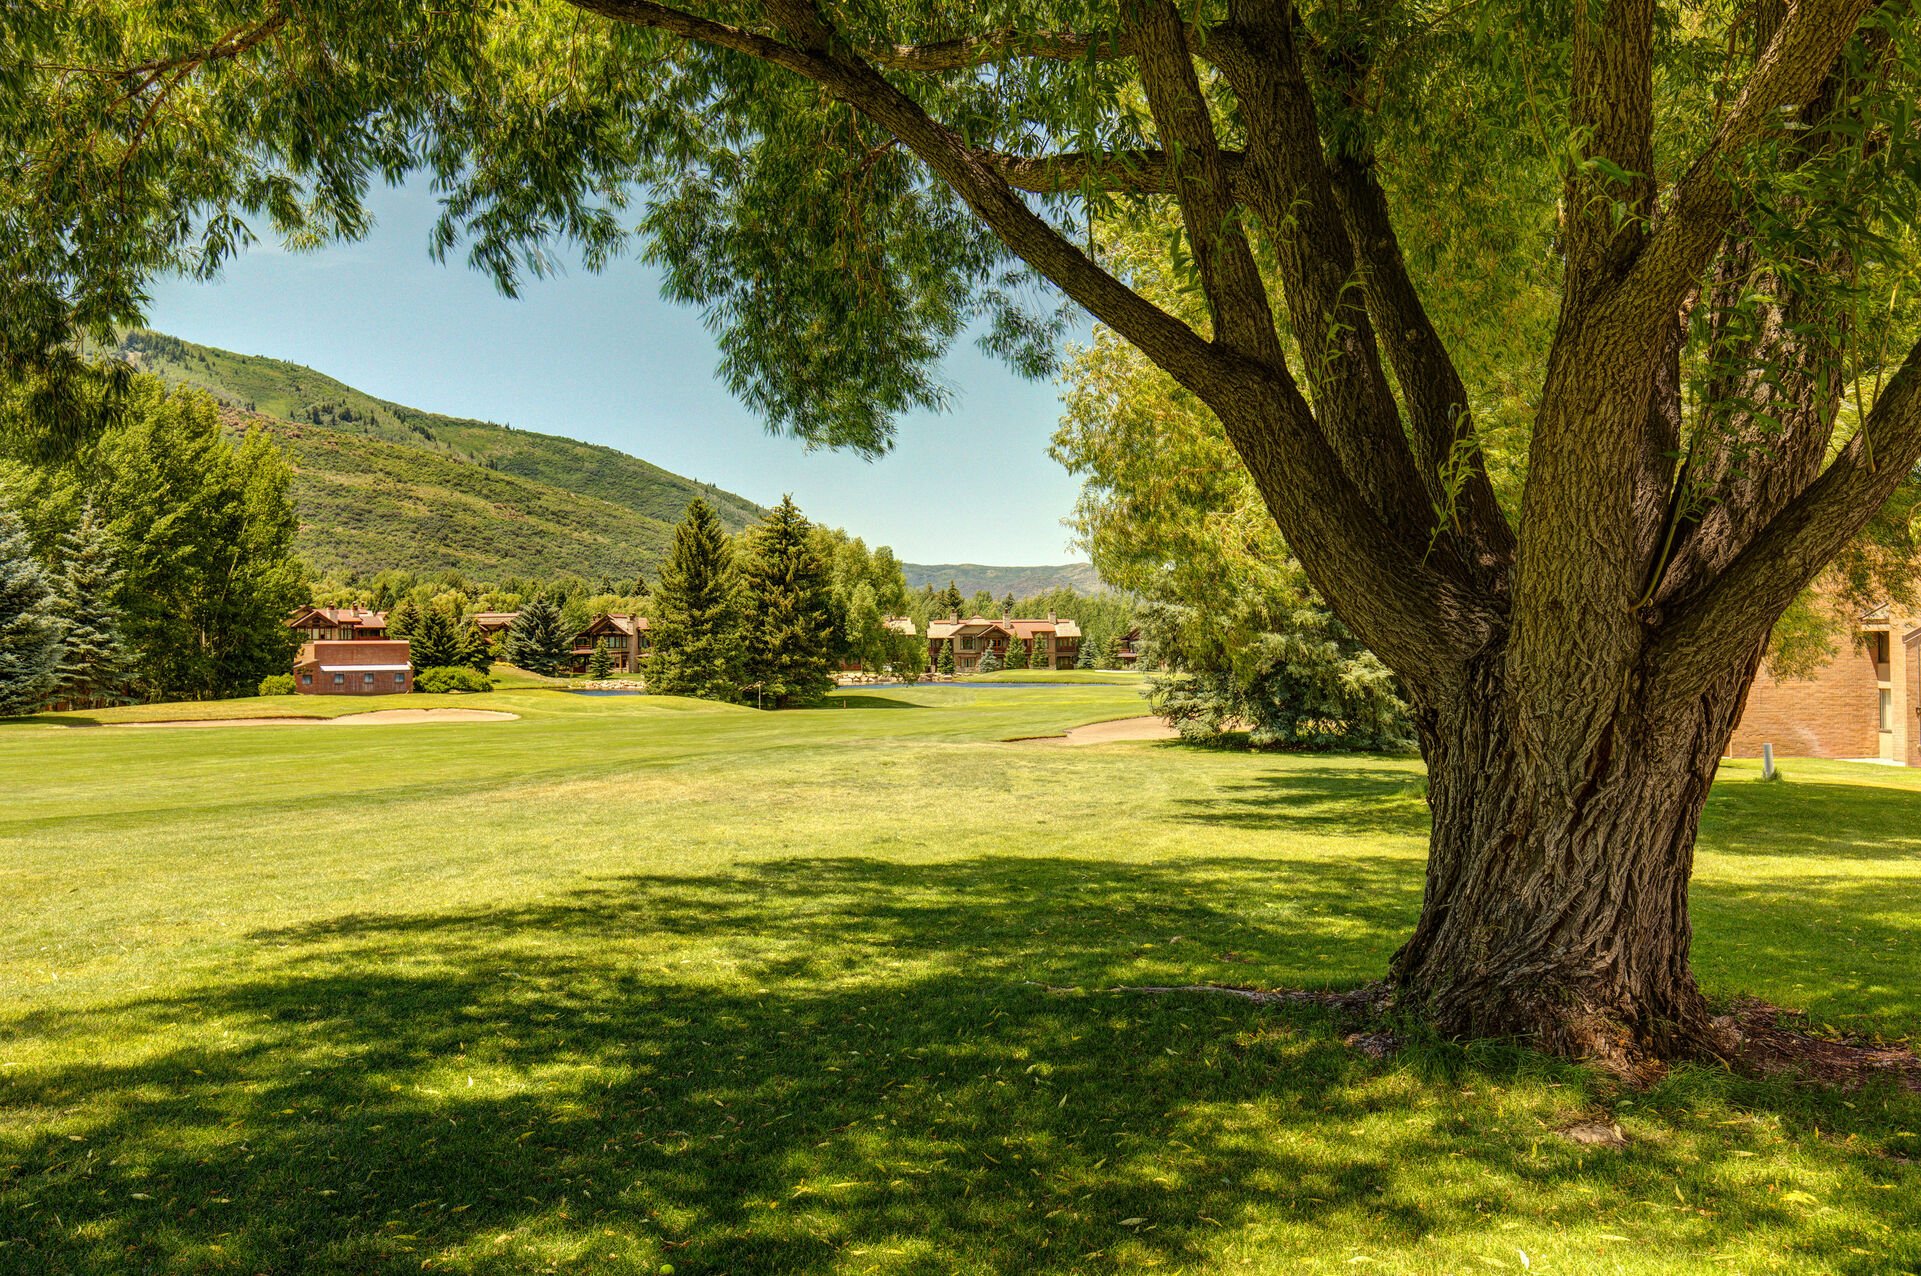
{"points": [[1050, 615]]}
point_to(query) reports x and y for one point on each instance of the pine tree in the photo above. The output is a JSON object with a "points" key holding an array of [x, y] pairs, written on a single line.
{"points": [[475, 651], [1085, 660], [436, 642], [600, 664], [990, 661], [537, 641], [402, 620], [1016, 654], [946, 663], [696, 625], [787, 600], [95, 666], [30, 628], [950, 600]]}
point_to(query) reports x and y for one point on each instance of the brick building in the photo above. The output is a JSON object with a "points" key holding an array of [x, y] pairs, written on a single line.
{"points": [[1862, 703], [353, 667]]}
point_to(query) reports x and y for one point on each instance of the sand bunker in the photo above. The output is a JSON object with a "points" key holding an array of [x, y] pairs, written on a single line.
{"points": [[377, 717], [1149, 728]]}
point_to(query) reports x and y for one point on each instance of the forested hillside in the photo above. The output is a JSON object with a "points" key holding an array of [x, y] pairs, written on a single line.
{"points": [[366, 504], [998, 581], [469, 492]]}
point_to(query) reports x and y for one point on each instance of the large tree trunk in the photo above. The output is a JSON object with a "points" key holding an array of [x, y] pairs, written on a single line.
{"points": [[1556, 904]]}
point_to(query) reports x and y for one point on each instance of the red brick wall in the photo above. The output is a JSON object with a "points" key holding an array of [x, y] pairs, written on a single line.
{"points": [[1830, 715]]}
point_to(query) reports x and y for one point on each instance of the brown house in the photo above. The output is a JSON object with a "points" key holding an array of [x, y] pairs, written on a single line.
{"points": [[1052, 643], [353, 667], [338, 624], [1127, 648], [626, 639], [492, 624], [1862, 703]]}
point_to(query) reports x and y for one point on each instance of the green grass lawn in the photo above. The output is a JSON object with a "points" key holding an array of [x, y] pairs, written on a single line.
{"points": [[635, 982]]}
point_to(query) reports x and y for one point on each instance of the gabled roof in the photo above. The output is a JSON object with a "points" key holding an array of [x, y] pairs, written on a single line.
{"points": [[338, 617], [900, 624], [615, 623], [495, 617], [1023, 628]]}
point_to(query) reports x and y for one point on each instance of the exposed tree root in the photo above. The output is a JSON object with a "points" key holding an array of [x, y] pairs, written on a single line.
{"points": [[1773, 1042], [1754, 1039]]}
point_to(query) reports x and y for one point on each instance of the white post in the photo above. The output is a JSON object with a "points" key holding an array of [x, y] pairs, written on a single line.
{"points": [[1767, 762]]}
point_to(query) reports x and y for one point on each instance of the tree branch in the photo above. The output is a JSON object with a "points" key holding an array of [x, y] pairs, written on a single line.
{"points": [[979, 50], [1704, 202], [1141, 172], [1610, 195], [1285, 182], [1235, 292], [1431, 386], [1733, 614]]}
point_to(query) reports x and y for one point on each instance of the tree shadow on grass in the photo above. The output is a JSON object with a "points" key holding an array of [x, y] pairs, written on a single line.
{"points": [[815, 1065], [1355, 800], [1812, 820]]}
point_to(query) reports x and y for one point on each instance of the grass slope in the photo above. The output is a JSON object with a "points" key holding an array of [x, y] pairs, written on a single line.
{"points": [[367, 504], [630, 983], [999, 581], [289, 392]]}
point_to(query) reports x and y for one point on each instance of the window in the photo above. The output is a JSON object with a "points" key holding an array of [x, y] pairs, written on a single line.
{"points": [[1880, 648], [340, 680], [306, 680], [366, 680], [967, 644], [1885, 710], [400, 680]]}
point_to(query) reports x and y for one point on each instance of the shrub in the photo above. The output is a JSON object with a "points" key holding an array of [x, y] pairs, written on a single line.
{"points": [[444, 678], [277, 684]]}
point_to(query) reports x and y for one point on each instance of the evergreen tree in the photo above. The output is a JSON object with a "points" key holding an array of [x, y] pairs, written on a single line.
{"points": [[475, 651], [1007, 606], [537, 641], [696, 625], [403, 619], [94, 669], [436, 642], [990, 661], [30, 628], [1085, 660], [946, 663], [600, 664], [950, 602], [1016, 654], [789, 629]]}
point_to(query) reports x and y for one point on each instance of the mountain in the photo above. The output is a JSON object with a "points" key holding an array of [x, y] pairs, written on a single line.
{"points": [[999, 581], [380, 484]]}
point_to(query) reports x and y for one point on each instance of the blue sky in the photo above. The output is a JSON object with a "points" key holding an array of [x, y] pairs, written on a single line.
{"points": [[604, 358]]}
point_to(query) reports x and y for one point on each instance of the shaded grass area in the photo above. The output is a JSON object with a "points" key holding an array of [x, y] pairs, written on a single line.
{"points": [[634, 982]]}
